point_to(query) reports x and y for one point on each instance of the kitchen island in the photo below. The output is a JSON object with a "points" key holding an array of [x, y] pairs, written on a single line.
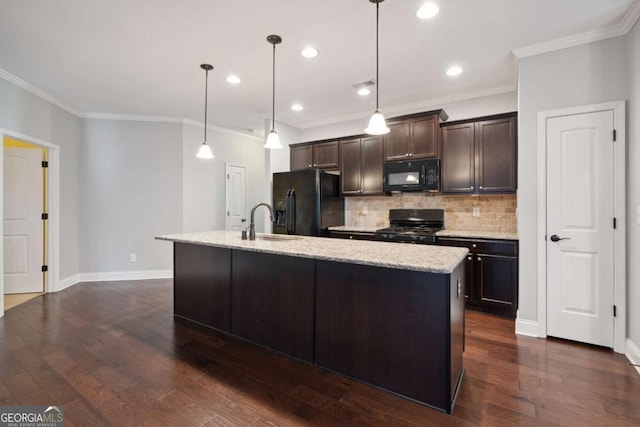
{"points": [[386, 314]]}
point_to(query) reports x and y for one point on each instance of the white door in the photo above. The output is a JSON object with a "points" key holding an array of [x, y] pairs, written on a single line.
{"points": [[580, 233], [236, 197], [23, 233]]}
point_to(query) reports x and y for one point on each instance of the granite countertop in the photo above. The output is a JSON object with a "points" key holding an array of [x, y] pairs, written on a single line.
{"points": [[425, 258], [504, 235]]}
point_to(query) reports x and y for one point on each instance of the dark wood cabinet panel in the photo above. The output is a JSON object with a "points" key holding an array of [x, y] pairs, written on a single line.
{"points": [[492, 274], [351, 167], [361, 162], [496, 155], [480, 156], [396, 142], [424, 137], [352, 235], [375, 328], [372, 164], [301, 157], [202, 285], [458, 158], [325, 155], [273, 300]]}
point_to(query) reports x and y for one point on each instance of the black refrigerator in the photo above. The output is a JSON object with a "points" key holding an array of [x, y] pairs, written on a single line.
{"points": [[307, 202]]}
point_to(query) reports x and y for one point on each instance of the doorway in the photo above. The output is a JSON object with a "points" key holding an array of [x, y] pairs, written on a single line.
{"points": [[581, 258], [24, 217], [236, 194], [51, 246]]}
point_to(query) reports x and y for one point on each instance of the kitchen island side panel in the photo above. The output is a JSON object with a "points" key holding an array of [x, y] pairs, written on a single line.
{"points": [[202, 285], [272, 301], [387, 327]]}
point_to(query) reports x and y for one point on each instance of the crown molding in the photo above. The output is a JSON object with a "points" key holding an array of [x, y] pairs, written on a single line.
{"points": [[414, 107], [195, 123], [630, 17], [131, 117], [17, 81]]}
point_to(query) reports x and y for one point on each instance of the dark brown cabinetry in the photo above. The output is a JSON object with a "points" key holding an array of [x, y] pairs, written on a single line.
{"points": [[318, 155], [361, 161], [352, 235], [414, 136], [491, 274], [202, 285], [479, 156]]}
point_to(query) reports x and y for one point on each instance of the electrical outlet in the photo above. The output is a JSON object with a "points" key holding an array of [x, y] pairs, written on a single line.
{"points": [[365, 210], [132, 258], [476, 211]]}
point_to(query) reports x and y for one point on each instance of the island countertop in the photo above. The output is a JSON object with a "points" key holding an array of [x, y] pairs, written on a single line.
{"points": [[425, 258]]}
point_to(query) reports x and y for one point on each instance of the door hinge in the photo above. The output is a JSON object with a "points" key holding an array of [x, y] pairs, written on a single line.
{"points": [[614, 223], [615, 135], [227, 213], [45, 216], [45, 164], [45, 268], [614, 311], [227, 176]]}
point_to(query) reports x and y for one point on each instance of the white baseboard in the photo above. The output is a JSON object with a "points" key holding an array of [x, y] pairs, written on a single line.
{"points": [[112, 276], [633, 354], [528, 328]]}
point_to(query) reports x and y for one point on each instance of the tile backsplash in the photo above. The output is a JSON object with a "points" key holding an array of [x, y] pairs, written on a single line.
{"points": [[497, 212]]}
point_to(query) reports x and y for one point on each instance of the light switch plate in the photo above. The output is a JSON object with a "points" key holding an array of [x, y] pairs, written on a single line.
{"points": [[476, 211]]}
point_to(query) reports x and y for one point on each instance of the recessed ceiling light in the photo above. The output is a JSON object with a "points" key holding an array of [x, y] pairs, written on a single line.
{"points": [[454, 71], [233, 79], [364, 91], [297, 107], [309, 52], [428, 11]]}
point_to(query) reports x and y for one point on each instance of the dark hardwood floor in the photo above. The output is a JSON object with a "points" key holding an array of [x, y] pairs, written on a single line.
{"points": [[112, 354]]}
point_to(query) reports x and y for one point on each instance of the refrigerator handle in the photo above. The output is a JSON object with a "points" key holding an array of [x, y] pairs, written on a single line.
{"points": [[291, 211]]}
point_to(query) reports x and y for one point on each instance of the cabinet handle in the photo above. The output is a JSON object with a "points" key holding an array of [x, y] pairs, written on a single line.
{"points": [[473, 245], [351, 237], [410, 154], [471, 188], [469, 258], [309, 164], [406, 155], [314, 165], [480, 187], [479, 259]]}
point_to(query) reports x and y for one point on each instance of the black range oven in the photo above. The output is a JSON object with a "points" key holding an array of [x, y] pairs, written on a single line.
{"points": [[412, 226]]}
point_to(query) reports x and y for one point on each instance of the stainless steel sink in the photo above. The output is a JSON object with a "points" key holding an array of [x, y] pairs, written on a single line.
{"points": [[278, 237]]}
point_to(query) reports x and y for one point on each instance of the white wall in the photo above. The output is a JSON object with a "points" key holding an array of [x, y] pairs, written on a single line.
{"points": [[633, 185], [581, 75], [204, 181], [484, 106], [130, 191], [27, 114]]}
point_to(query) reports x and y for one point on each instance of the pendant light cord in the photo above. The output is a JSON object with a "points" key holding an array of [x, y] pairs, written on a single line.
{"points": [[377, 54], [273, 97], [206, 93]]}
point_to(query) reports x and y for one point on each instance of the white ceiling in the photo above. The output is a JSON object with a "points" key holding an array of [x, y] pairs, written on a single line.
{"points": [[143, 57]]}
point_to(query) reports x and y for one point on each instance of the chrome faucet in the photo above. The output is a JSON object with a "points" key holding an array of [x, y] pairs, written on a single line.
{"points": [[252, 225]]}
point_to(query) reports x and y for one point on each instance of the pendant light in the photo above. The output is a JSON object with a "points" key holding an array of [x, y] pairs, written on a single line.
{"points": [[377, 124], [205, 150], [273, 140]]}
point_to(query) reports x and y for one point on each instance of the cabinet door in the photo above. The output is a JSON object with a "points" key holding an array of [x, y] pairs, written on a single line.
{"points": [[301, 157], [497, 278], [372, 153], [458, 158], [325, 155], [496, 146], [424, 137], [350, 167], [396, 142]]}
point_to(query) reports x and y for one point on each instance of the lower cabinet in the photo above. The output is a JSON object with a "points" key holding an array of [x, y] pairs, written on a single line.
{"points": [[352, 235], [491, 274]]}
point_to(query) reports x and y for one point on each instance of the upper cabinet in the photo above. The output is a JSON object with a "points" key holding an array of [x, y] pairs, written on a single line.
{"points": [[319, 155], [361, 161], [479, 157], [414, 137]]}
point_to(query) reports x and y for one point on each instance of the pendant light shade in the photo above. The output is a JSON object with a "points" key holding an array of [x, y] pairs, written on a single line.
{"points": [[377, 124], [273, 140], [205, 151]]}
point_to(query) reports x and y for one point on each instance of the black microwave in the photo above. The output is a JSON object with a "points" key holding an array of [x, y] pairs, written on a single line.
{"points": [[412, 175]]}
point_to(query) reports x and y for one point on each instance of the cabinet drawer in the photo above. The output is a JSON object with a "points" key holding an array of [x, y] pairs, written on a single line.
{"points": [[497, 247], [353, 235]]}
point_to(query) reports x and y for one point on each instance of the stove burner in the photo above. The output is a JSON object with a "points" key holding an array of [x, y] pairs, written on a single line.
{"points": [[412, 226]]}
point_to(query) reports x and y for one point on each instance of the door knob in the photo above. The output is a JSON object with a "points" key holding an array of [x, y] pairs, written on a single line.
{"points": [[244, 219], [556, 238]]}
